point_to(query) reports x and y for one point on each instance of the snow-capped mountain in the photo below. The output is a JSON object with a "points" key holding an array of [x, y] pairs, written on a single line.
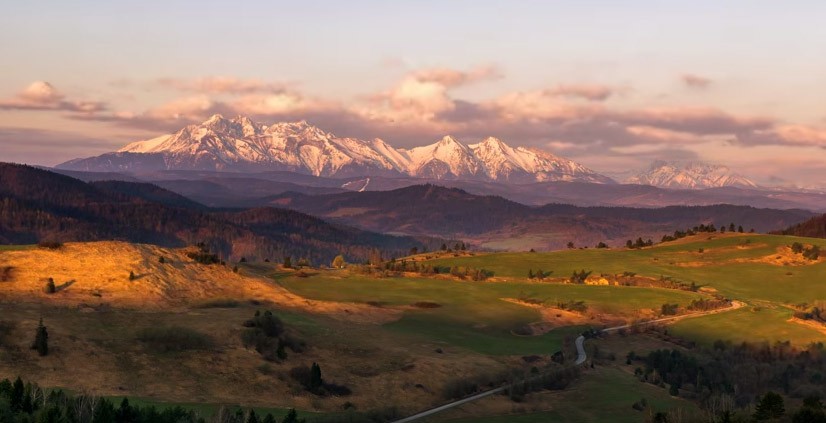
{"points": [[690, 175], [239, 144]]}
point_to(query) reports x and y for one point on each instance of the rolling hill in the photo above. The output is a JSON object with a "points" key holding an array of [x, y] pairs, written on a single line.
{"points": [[499, 223], [37, 205]]}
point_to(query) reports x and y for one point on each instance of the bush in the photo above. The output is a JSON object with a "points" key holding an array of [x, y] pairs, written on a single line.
{"points": [[50, 288], [219, 303], [6, 273], [426, 304], [6, 330], [267, 335], [173, 339]]}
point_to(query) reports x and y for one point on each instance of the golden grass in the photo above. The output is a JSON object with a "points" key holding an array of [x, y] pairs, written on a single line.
{"points": [[97, 274]]}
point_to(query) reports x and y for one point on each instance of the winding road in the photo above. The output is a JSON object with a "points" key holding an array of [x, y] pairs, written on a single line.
{"points": [[581, 358]]}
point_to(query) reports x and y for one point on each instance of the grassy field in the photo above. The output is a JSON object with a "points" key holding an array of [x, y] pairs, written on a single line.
{"points": [[472, 315], [756, 269], [16, 247], [605, 394], [751, 324]]}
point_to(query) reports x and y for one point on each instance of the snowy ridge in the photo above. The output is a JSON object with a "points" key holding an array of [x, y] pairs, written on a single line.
{"points": [[690, 175], [239, 144]]}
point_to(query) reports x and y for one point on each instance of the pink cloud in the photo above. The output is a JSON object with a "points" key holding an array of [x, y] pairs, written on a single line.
{"points": [[41, 95], [696, 81], [587, 92], [221, 85]]}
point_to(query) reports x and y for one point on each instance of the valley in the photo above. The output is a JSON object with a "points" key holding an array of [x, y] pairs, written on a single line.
{"points": [[404, 334]]}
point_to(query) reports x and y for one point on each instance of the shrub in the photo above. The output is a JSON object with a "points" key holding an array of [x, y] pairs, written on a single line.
{"points": [[219, 303], [267, 335], [6, 273], [174, 338], [7, 328], [51, 245], [50, 288], [426, 304]]}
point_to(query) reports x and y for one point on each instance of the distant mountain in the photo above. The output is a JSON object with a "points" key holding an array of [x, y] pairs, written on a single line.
{"points": [[812, 228], [38, 205], [494, 222], [690, 175], [241, 145]]}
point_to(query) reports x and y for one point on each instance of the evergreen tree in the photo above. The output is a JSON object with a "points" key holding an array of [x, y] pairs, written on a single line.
{"points": [[315, 377], [629, 244], [125, 413], [444, 247], [731, 227], [287, 262], [280, 353], [131, 275], [41, 339], [570, 244], [161, 260], [291, 417], [769, 407], [104, 412], [530, 273], [16, 397], [740, 229], [269, 418], [252, 418]]}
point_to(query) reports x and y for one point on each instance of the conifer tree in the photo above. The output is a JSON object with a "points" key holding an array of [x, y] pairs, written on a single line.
{"points": [[252, 418], [41, 339], [315, 377]]}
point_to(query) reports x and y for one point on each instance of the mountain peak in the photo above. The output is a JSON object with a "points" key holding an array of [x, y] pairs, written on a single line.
{"points": [[448, 140], [217, 117], [240, 144], [690, 175]]}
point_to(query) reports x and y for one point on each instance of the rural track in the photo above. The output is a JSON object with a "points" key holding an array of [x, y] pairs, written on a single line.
{"points": [[581, 358]]}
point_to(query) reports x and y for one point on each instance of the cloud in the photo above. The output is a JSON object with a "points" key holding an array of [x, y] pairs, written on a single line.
{"points": [[41, 95], [221, 85], [587, 92], [43, 147], [788, 134], [424, 105], [453, 78], [695, 81]]}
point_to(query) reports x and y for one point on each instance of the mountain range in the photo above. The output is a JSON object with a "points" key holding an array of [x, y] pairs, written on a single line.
{"points": [[242, 145], [690, 175]]}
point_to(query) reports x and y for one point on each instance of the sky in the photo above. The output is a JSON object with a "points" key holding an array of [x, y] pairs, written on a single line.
{"points": [[611, 84]]}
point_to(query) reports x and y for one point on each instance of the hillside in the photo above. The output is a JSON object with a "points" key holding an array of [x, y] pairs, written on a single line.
{"points": [[814, 228], [503, 224], [40, 205]]}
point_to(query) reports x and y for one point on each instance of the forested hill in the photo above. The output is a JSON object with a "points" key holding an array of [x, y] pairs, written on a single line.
{"points": [[38, 205], [433, 210], [813, 228]]}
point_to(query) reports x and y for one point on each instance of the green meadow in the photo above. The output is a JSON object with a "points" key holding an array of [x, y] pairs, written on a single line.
{"points": [[744, 267], [473, 315]]}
